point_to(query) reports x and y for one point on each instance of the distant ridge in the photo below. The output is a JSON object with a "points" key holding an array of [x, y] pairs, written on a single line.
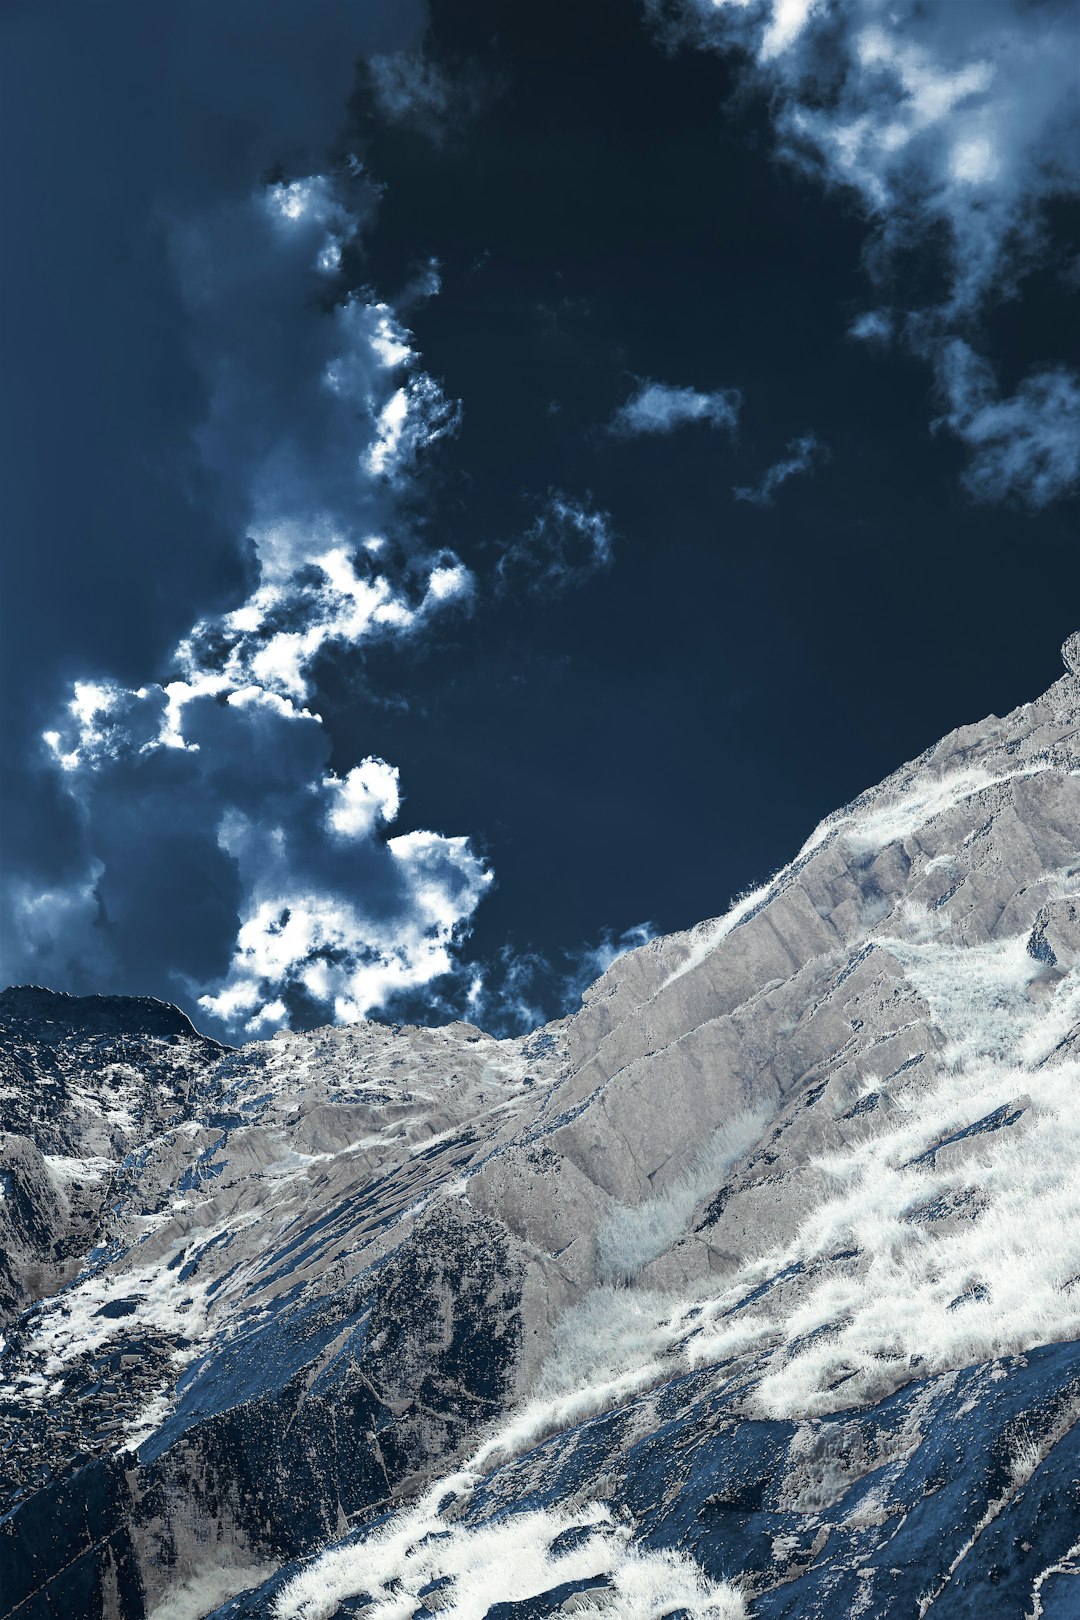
{"points": [[90, 1015]]}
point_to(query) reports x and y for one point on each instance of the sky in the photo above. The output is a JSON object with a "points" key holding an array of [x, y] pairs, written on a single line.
{"points": [[482, 481]]}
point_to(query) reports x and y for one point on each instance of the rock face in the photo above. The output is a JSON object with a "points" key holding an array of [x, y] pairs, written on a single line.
{"points": [[1070, 653], [751, 1288]]}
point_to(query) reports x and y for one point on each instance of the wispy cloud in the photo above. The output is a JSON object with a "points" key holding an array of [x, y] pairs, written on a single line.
{"points": [[568, 540], [800, 457], [518, 990], [954, 126], [210, 812], [660, 408], [873, 326], [411, 87], [1029, 444]]}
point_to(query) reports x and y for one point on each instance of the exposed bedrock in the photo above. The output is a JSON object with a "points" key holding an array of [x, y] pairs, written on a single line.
{"points": [[754, 1286]]}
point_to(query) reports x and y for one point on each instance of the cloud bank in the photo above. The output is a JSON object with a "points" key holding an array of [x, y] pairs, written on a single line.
{"points": [[220, 849], [954, 126]]}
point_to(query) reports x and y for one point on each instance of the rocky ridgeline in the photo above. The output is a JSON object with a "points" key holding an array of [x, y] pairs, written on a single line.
{"points": [[751, 1288]]}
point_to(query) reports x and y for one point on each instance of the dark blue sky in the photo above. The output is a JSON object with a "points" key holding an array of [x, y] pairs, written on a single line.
{"points": [[664, 266]]}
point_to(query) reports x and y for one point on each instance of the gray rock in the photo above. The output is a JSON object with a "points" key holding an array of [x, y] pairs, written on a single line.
{"points": [[1070, 653], [793, 1177]]}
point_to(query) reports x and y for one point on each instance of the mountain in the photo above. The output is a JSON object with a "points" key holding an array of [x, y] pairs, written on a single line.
{"points": [[752, 1288]]}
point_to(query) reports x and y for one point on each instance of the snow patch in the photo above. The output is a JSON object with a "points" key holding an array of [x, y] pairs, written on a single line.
{"points": [[510, 1559]]}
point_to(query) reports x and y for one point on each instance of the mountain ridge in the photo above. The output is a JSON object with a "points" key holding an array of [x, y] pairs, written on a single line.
{"points": [[747, 1288], [93, 1014]]}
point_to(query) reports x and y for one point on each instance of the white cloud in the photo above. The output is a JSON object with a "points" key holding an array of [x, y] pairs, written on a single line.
{"points": [[799, 458], [311, 200], [391, 425], [307, 400], [224, 760], [658, 408], [1028, 444], [104, 721], [873, 326], [388, 340], [331, 948], [318, 584], [787, 22], [954, 126], [567, 541], [248, 655], [366, 796], [413, 416], [448, 581]]}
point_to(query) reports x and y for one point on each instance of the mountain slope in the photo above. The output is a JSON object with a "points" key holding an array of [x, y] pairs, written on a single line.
{"points": [[753, 1287]]}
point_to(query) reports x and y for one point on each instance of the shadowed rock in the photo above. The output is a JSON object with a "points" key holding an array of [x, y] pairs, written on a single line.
{"points": [[772, 1250], [48, 1013]]}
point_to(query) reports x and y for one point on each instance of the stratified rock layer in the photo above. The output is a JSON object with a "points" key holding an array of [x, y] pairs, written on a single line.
{"points": [[754, 1286]]}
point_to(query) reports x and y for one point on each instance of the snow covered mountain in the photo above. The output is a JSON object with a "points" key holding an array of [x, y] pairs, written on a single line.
{"points": [[753, 1288]]}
